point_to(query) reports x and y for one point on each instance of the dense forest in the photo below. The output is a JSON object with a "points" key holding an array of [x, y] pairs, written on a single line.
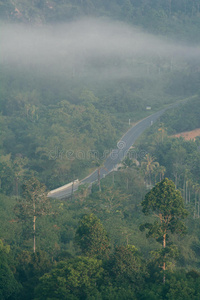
{"points": [[75, 75], [169, 17]]}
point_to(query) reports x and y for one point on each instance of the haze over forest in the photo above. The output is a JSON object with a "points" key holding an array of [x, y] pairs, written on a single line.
{"points": [[92, 47], [75, 76]]}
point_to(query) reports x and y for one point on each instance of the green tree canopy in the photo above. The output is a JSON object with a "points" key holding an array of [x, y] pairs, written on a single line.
{"points": [[92, 237], [165, 202], [9, 287], [126, 266], [30, 267], [33, 204], [74, 279]]}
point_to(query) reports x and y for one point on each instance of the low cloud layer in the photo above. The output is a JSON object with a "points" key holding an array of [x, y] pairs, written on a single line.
{"points": [[88, 45]]}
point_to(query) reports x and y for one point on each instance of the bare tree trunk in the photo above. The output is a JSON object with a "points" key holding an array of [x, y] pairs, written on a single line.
{"points": [[189, 195], [127, 240], [16, 186], [184, 190], [99, 180], [195, 204], [34, 242], [175, 179], [127, 183], [186, 185], [164, 264]]}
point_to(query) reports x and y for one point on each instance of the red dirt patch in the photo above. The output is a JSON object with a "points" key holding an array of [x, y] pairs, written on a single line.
{"points": [[189, 135]]}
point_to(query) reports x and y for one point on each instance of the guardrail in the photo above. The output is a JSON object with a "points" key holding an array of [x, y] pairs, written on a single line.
{"points": [[64, 187]]}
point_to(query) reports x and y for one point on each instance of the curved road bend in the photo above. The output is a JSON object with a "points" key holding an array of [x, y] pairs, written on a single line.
{"points": [[116, 156]]}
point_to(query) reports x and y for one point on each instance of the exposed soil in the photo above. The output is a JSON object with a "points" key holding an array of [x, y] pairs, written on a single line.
{"points": [[189, 135]]}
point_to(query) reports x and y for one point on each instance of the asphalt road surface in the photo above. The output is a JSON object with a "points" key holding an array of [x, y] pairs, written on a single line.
{"points": [[116, 155]]}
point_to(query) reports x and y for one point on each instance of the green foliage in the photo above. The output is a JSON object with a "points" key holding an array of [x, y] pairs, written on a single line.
{"points": [[77, 278], [7, 178], [184, 118], [109, 202], [9, 287], [30, 267], [149, 165], [117, 293], [36, 201], [92, 237], [9, 229], [4, 249], [166, 203], [126, 267], [163, 17]]}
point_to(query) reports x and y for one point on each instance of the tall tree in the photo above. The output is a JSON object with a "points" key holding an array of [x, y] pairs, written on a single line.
{"points": [[33, 204], [167, 205]]}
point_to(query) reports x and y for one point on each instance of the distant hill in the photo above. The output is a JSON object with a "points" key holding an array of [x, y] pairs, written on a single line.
{"points": [[173, 18]]}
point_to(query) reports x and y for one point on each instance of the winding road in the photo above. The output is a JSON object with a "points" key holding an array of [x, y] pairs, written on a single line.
{"points": [[114, 158]]}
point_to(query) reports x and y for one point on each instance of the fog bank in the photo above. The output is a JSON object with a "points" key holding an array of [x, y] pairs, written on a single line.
{"points": [[90, 46]]}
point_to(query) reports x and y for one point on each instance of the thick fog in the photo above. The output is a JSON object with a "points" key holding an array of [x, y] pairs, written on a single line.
{"points": [[89, 47]]}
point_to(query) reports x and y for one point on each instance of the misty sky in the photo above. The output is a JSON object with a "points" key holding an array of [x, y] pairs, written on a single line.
{"points": [[89, 45]]}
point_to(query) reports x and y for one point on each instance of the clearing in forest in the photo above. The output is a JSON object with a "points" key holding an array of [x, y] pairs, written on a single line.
{"points": [[189, 135]]}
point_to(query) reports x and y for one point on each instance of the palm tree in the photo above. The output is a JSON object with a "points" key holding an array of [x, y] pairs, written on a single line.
{"points": [[162, 171], [159, 171], [127, 164], [195, 190], [187, 177], [163, 132], [149, 164]]}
